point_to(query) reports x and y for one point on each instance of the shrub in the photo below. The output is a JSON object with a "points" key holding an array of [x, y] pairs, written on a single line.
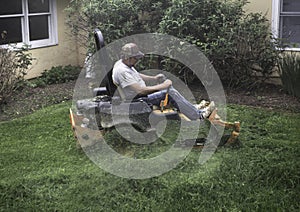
{"points": [[14, 63], [289, 69], [238, 44], [116, 19], [58, 74]]}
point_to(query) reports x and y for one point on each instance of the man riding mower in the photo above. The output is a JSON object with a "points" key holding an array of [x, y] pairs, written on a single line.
{"points": [[126, 94]]}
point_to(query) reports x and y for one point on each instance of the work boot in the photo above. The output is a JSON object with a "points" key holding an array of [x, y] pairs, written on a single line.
{"points": [[237, 126], [233, 138], [202, 105], [211, 107]]}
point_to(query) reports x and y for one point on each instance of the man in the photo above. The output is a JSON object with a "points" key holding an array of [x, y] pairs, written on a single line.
{"points": [[133, 85]]}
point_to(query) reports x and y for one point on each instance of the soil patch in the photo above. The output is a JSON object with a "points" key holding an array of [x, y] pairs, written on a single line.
{"points": [[268, 96], [28, 100]]}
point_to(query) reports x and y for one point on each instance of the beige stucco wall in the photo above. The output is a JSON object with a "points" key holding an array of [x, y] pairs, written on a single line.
{"points": [[261, 6], [264, 7], [65, 53]]}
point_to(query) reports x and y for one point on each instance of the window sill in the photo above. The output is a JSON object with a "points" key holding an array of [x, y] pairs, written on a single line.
{"points": [[30, 47], [43, 46], [292, 49]]}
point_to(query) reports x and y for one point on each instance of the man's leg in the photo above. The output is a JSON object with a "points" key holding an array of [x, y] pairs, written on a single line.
{"points": [[156, 97], [183, 105], [177, 100]]}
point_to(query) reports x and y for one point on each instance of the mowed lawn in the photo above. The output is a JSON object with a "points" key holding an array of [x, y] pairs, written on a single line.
{"points": [[42, 170]]}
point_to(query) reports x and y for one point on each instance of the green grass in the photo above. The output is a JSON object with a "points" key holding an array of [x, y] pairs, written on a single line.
{"points": [[41, 169]]}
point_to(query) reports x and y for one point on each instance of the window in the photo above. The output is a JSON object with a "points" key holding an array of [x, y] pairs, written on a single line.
{"points": [[286, 22], [32, 22]]}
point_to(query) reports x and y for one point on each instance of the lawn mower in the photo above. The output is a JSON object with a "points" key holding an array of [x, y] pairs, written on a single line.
{"points": [[93, 117]]}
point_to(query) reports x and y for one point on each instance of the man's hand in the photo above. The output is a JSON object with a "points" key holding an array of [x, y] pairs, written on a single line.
{"points": [[160, 78], [167, 83]]}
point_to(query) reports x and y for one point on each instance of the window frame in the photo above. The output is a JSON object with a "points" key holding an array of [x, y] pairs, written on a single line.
{"points": [[52, 26], [276, 16]]}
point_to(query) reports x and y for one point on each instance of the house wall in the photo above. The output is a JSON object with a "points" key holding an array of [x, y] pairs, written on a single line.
{"points": [[261, 6], [264, 7], [65, 53]]}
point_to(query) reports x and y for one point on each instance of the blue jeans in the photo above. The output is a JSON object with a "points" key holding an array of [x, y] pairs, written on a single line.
{"points": [[178, 101]]}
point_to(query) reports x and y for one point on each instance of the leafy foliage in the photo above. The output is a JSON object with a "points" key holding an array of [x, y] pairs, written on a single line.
{"points": [[289, 67], [116, 19], [14, 63], [56, 75], [238, 44]]}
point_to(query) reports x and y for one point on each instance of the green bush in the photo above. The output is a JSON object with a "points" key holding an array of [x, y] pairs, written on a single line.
{"points": [[289, 69], [238, 44], [14, 63], [58, 74], [116, 19]]}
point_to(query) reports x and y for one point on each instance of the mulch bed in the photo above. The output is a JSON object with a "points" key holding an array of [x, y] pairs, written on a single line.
{"points": [[29, 100], [269, 96]]}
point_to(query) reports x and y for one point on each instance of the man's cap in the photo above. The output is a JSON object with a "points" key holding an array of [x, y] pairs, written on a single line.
{"points": [[131, 50]]}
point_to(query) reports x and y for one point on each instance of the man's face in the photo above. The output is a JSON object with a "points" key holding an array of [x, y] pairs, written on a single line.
{"points": [[133, 61]]}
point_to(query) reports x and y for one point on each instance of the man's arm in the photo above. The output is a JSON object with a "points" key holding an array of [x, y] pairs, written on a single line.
{"points": [[151, 78], [147, 77], [150, 89]]}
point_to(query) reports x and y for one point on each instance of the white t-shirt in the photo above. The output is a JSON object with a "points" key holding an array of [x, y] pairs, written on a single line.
{"points": [[124, 76]]}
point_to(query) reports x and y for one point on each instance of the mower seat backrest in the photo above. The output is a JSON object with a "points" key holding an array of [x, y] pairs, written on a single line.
{"points": [[99, 39], [107, 81], [110, 86]]}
